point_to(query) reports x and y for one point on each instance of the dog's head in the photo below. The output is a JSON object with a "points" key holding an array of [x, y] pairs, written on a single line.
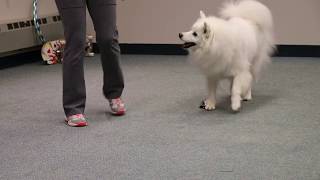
{"points": [[198, 35]]}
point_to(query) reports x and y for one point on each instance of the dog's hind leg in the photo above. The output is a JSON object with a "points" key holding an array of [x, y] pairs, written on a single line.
{"points": [[241, 86], [248, 96]]}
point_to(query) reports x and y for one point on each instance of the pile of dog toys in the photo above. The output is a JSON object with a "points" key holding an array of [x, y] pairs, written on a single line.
{"points": [[52, 51]]}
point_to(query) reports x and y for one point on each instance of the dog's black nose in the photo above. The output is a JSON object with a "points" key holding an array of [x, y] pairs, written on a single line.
{"points": [[180, 35]]}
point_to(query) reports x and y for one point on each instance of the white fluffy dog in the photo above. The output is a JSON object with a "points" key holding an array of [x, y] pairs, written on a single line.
{"points": [[234, 46]]}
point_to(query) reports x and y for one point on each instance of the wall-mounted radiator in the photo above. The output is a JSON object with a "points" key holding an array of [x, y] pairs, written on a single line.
{"points": [[20, 36]]}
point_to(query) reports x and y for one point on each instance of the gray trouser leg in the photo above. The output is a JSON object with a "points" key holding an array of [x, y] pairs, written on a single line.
{"points": [[73, 13], [103, 14]]}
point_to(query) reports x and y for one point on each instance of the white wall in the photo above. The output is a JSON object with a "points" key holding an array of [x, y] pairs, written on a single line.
{"points": [[154, 21], [159, 21], [11, 10], [296, 21]]}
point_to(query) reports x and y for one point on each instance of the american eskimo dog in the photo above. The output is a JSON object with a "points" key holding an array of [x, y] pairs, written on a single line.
{"points": [[233, 46]]}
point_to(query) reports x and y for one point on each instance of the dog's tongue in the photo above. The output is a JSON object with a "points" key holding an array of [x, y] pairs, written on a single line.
{"points": [[188, 45]]}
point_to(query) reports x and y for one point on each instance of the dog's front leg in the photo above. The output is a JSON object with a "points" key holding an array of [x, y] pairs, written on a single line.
{"points": [[210, 103]]}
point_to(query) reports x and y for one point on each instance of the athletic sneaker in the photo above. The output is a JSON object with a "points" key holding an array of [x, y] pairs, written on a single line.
{"points": [[117, 107], [77, 120]]}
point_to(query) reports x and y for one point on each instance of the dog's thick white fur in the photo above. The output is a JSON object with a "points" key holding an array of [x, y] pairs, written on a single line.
{"points": [[234, 46]]}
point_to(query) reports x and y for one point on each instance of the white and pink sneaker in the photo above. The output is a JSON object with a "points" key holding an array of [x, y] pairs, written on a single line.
{"points": [[117, 107], [77, 120]]}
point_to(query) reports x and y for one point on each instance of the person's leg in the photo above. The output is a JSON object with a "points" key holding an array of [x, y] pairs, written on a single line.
{"points": [[103, 13], [73, 14]]}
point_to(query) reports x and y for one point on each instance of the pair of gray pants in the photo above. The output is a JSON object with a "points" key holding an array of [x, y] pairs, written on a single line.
{"points": [[103, 14]]}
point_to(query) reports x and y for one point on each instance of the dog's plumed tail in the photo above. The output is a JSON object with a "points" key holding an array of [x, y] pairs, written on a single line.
{"points": [[251, 10], [259, 15]]}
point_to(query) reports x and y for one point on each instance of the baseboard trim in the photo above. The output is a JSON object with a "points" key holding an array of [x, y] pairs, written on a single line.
{"points": [[298, 51], [33, 54], [175, 49], [149, 49], [20, 57]]}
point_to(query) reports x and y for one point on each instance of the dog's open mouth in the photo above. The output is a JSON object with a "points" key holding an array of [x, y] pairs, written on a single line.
{"points": [[188, 45]]}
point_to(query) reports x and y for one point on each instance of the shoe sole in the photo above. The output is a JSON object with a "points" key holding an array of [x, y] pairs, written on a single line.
{"points": [[81, 124], [119, 113]]}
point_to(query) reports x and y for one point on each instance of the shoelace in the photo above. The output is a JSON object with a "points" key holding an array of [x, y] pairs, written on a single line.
{"points": [[117, 102], [79, 116]]}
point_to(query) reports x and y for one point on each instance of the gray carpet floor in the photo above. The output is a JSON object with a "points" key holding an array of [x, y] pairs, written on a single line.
{"points": [[164, 134]]}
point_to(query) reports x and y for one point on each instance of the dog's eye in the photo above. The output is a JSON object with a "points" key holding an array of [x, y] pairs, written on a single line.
{"points": [[195, 34]]}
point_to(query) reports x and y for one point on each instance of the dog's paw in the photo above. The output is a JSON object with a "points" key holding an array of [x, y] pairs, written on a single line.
{"points": [[207, 105], [236, 106], [247, 97]]}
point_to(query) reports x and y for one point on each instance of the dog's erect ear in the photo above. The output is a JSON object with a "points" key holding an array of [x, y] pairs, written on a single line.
{"points": [[206, 30], [202, 15]]}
